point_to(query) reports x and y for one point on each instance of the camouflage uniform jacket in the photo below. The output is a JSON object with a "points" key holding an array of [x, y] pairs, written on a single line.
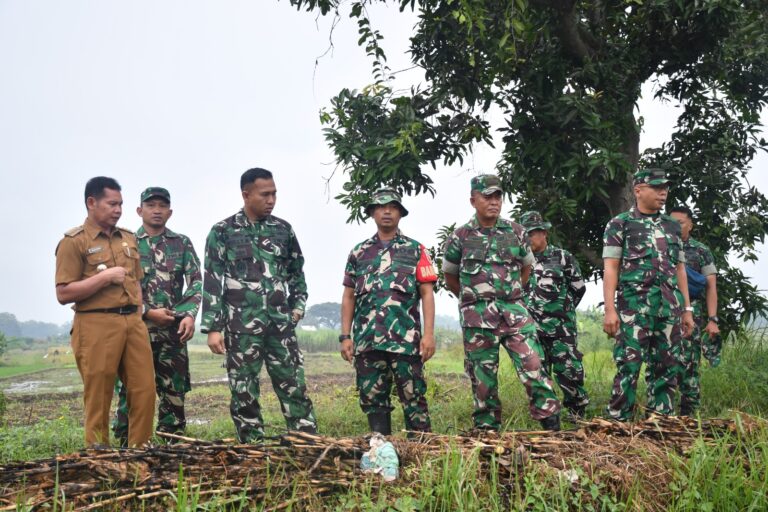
{"points": [[169, 260], [253, 275], [556, 288], [386, 278], [699, 258], [488, 262], [649, 248]]}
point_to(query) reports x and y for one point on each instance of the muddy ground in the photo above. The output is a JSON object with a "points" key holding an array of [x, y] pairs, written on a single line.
{"points": [[207, 401]]}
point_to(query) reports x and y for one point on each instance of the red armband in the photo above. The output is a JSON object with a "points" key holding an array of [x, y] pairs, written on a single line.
{"points": [[425, 271]]}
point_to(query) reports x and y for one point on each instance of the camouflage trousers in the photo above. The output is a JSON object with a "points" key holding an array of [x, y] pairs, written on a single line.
{"points": [[562, 360], [690, 361], [693, 348], [376, 369], [172, 382], [278, 347], [481, 362], [711, 349], [656, 342]]}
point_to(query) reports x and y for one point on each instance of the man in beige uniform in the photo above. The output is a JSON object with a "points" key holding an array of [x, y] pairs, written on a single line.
{"points": [[97, 268]]}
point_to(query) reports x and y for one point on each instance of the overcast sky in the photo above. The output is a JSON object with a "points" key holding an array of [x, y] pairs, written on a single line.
{"points": [[187, 95]]}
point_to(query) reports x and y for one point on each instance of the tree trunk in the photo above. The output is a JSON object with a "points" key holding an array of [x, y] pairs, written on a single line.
{"points": [[621, 195]]}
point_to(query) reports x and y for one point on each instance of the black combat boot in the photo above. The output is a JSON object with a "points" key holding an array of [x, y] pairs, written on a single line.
{"points": [[380, 422], [308, 429], [686, 410], [551, 423]]}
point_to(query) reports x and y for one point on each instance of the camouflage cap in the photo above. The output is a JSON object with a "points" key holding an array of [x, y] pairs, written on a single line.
{"points": [[386, 196], [532, 221], [151, 192], [650, 176], [486, 184]]}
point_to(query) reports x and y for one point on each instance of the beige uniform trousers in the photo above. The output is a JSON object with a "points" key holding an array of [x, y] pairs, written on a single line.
{"points": [[107, 345]]}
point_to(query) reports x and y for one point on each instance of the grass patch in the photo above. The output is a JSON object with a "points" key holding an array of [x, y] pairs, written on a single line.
{"points": [[730, 474]]}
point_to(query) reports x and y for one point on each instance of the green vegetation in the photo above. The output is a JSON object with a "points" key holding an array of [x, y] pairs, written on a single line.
{"points": [[730, 474]]}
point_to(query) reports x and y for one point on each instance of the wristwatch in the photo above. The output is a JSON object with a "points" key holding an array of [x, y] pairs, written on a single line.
{"points": [[688, 308], [343, 337], [714, 318]]}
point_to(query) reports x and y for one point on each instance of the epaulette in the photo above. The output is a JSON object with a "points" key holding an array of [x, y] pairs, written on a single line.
{"points": [[126, 230], [75, 231]]}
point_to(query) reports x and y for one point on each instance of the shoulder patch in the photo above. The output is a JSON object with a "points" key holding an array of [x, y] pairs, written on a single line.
{"points": [[128, 231], [75, 231]]}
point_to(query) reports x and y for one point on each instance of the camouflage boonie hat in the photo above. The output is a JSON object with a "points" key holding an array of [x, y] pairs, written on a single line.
{"points": [[386, 196], [486, 184], [532, 221], [151, 192], [650, 177]]}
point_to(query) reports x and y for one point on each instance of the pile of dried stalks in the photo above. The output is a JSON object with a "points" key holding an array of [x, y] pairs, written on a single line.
{"points": [[296, 467]]}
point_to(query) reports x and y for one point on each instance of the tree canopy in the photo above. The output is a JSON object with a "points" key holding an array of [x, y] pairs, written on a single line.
{"points": [[326, 315], [567, 76]]}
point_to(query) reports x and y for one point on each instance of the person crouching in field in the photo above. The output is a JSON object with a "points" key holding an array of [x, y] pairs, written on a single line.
{"points": [[385, 278]]}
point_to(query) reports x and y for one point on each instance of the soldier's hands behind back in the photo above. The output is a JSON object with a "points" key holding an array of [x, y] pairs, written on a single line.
{"points": [[216, 342], [427, 347], [186, 329], [347, 350], [611, 323]]}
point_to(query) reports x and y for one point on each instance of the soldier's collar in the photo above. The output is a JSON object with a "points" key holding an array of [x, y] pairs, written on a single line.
{"points": [[398, 236], [142, 233], [475, 224], [93, 230], [241, 218], [546, 252], [637, 214]]}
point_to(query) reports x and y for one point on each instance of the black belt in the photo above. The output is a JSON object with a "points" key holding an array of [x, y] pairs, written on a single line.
{"points": [[122, 310]]}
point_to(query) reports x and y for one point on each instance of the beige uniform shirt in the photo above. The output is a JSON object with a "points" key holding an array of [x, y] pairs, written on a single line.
{"points": [[84, 248]]}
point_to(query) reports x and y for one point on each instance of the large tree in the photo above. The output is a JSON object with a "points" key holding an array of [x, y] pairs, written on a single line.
{"points": [[566, 76]]}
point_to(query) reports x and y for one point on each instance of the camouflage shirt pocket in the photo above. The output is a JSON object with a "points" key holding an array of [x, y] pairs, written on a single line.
{"points": [[243, 265], [404, 271], [637, 245], [280, 244], [509, 247], [473, 254], [363, 276]]}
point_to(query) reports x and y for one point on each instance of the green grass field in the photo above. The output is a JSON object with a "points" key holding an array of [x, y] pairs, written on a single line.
{"points": [[731, 474]]}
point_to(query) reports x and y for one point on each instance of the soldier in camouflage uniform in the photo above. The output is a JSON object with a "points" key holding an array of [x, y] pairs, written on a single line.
{"points": [[644, 260], [169, 261], [699, 258], [486, 264], [253, 294], [555, 290], [384, 279]]}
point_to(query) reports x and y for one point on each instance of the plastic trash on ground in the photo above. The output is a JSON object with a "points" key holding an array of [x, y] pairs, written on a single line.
{"points": [[381, 459]]}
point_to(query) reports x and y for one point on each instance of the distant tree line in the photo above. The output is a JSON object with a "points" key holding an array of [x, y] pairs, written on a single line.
{"points": [[13, 328]]}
